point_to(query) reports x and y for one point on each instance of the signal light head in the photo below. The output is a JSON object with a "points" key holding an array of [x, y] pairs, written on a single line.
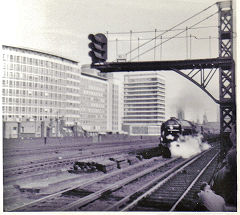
{"points": [[98, 48], [91, 37]]}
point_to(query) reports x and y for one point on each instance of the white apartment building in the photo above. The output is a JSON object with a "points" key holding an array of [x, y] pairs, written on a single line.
{"points": [[144, 103]]}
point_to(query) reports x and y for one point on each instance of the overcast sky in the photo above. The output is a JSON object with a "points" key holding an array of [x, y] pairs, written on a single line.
{"points": [[61, 27]]}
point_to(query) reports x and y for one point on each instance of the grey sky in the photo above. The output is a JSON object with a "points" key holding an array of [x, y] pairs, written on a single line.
{"points": [[62, 26]]}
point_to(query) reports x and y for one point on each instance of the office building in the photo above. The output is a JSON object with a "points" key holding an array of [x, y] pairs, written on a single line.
{"points": [[144, 103], [42, 87], [113, 109]]}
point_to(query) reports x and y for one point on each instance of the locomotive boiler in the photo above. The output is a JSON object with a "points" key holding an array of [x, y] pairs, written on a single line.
{"points": [[171, 130]]}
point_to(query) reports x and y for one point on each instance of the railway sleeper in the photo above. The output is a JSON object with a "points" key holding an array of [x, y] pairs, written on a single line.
{"points": [[159, 204], [78, 192]]}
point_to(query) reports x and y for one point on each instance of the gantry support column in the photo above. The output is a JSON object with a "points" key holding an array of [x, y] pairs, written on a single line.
{"points": [[226, 72]]}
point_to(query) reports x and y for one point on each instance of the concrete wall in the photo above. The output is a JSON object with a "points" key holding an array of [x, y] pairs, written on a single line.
{"points": [[21, 129]]}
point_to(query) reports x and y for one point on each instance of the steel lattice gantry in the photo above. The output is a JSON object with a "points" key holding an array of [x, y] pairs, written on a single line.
{"points": [[200, 71], [226, 73]]}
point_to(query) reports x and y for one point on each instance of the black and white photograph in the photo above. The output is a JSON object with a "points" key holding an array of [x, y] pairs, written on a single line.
{"points": [[119, 106]]}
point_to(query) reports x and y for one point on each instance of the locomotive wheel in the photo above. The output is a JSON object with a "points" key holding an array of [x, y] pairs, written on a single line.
{"points": [[166, 152], [160, 148]]}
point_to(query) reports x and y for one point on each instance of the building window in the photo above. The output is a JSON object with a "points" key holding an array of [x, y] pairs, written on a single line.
{"points": [[24, 68]]}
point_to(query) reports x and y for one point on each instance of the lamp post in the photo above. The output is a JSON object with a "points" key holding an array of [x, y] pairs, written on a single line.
{"points": [[57, 123], [35, 119]]}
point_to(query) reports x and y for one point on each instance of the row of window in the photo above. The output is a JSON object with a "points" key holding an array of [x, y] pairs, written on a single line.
{"points": [[30, 87], [143, 97], [154, 122], [102, 124], [142, 117], [144, 105], [138, 80], [143, 109], [43, 102], [144, 101], [129, 89], [29, 101], [37, 62], [49, 97], [39, 78], [97, 117], [47, 106], [161, 92], [24, 117], [40, 110], [143, 84], [37, 94], [143, 113]]}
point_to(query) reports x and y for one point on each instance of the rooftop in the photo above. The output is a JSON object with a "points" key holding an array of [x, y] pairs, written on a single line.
{"points": [[38, 52]]}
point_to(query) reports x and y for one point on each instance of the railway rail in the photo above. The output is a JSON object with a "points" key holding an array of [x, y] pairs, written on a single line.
{"points": [[19, 151], [178, 191], [67, 161], [100, 183], [119, 190]]}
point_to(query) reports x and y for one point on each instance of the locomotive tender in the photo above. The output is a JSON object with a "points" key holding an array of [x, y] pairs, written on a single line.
{"points": [[171, 130]]}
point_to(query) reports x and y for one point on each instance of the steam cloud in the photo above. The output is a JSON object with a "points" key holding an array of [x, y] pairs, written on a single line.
{"points": [[188, 146]]}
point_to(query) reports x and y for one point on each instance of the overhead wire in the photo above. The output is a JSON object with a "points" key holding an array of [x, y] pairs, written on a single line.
{"points": [[152, 31], [174, 36], [171, 29], [181, 37]]}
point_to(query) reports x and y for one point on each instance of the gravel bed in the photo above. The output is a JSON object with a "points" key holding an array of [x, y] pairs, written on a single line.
{"points": [[123, 175], [107, 201]]}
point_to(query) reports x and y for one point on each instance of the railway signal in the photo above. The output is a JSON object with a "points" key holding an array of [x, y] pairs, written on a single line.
{"points": [[98, 46]]}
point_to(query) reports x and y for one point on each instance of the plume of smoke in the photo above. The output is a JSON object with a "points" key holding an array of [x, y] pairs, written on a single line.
{"points": [[187, 146]]}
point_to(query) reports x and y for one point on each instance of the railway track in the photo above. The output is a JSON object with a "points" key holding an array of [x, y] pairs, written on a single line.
{"points": [[67, 161], [119, 190], [95, 187], [58, 148], [178, 191]]}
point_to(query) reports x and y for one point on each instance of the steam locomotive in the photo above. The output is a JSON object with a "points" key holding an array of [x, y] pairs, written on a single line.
{"points": [[171, 130]]}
